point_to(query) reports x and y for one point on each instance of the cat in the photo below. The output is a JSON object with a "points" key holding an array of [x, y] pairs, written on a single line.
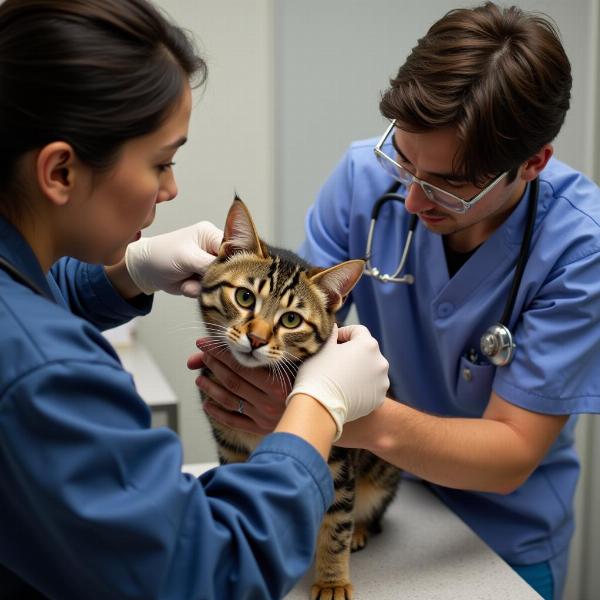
{"points": [[271, 308]]}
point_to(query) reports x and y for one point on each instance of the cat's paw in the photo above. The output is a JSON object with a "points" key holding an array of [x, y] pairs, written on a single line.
{"points": [[331, 591], [359, 538]]}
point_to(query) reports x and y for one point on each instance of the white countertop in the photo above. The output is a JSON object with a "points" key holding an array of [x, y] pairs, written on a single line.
{"points": [[425, 552]]}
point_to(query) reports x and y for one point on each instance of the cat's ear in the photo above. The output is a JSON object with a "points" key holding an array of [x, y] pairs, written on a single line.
{"points": [[337, 282], [239, 234]]}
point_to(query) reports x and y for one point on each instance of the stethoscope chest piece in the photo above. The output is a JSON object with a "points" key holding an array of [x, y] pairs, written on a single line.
{"points": [[497, 345]]}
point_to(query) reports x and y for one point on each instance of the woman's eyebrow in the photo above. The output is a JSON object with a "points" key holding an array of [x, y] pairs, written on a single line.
{"points": [[180, 142]]}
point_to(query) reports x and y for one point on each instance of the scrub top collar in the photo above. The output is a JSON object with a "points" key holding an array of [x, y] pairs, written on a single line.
{"points": [[498, 253], [16, 251]]}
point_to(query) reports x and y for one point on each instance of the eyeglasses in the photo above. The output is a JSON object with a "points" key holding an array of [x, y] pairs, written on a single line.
{"points": [[433, 193]]}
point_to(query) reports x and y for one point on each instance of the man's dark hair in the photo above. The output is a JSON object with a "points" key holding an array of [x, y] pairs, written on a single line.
{"points": [[500, 77]]}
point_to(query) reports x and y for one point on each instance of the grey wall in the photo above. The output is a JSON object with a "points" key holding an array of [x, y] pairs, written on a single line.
{"points": [[334, 58]]}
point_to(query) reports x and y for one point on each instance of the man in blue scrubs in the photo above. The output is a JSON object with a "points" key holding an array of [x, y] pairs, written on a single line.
{"points": [[475, 109], [473, 112]]}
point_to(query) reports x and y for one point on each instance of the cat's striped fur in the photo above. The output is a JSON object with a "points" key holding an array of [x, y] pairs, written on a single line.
{"points": [[270, 308]]}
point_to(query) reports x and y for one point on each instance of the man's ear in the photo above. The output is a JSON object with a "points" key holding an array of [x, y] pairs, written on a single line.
{"points": [[55, 170], [532, 167]]}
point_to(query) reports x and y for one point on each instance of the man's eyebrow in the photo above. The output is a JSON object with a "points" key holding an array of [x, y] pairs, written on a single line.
{"points": [[176, 144], [448, 176]]}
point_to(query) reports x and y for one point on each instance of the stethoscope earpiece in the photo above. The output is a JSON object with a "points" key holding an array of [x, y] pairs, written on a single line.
{"points": [[497, 345]]}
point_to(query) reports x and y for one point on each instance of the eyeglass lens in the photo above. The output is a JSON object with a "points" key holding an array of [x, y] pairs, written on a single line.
{"points": [[406, 177]]}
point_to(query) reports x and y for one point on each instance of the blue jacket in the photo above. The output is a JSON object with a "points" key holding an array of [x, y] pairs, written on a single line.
{"points": [[93, 503], [430, 331]]}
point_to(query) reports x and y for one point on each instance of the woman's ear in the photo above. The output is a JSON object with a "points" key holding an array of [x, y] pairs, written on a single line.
{"points": [[55, 170], [536, 164]]}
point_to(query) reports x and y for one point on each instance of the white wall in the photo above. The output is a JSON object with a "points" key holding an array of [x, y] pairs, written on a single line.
{"points": [[335, 57]]}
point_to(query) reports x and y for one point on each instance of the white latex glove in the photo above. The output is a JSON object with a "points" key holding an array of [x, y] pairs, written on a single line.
{"points": [[350, 378], [175, 261]]}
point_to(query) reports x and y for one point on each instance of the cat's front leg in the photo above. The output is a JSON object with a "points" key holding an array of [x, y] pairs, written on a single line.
{"points": [[332, 563]]}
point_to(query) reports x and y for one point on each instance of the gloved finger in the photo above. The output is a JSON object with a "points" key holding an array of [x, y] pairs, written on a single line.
{"points": [[350, 332], [195, 260], [213, 236], [191, 288], [333, 337]]}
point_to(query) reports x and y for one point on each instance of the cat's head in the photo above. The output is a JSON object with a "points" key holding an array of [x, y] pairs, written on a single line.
{"points": [[267, 305]]}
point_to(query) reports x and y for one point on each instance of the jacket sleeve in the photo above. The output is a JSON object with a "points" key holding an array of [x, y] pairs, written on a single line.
{"points": [[93, 503], [89, 294]]}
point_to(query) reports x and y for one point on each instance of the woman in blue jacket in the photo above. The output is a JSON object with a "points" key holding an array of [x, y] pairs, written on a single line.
{"points": [[95, 100]]}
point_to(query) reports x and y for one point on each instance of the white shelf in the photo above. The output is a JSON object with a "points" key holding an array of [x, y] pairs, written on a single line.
{"points": [[149, 380], [151, 384]]}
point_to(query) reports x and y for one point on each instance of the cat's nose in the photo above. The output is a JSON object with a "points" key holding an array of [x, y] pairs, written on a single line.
{"points": [[256, 341]]}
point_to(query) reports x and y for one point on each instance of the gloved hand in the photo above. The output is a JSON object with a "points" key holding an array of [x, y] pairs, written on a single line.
{"points": [[350, 378], [175, 261]]}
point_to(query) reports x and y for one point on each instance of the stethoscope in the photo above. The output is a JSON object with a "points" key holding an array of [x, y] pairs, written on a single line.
{"points": [[497, 342]]}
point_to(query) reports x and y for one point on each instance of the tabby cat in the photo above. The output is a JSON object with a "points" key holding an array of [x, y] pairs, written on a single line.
{"points": [[271, 308]]}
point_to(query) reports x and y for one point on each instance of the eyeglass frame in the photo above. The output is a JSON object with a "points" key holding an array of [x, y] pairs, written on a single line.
{"points": [[465, 204]]}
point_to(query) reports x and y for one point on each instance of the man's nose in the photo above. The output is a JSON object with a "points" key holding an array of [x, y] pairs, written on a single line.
{"points": [[416, 201]]}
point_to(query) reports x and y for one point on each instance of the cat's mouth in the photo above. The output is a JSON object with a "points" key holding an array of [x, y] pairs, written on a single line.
{"points": [[249, 359]]}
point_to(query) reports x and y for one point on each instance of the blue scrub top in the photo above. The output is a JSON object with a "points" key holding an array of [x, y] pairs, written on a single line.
{"points": [[428, 329], [93, 503]]}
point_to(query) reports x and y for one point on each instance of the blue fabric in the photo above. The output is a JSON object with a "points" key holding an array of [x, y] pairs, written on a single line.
{"points": [[427, 330], [539, 577], [93, 503]]}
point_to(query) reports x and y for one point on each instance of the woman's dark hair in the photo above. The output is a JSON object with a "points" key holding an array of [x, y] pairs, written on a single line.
{"points": [[499, 76], [92, 73]]}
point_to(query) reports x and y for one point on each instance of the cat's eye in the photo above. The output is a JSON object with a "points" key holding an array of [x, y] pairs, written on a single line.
{"points": [[291, 320], [244, 297]]}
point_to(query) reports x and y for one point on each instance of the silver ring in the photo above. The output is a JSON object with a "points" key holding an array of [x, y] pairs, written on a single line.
{"points": [[240, 408]]}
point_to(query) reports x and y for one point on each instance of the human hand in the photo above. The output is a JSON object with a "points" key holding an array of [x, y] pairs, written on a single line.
{"points": [[262, 393], [349, 376], [175, 261]]}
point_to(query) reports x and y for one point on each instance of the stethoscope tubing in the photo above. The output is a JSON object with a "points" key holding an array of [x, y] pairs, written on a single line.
{"points": [[390, 195], [523, 252], [499, 333]]}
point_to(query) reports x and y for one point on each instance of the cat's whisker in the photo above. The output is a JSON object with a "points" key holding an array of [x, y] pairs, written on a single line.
{"points": [[288, 377], [217, 336], [181, 328], [274, 371], [282, 376], [291, 366], [216, 344], [216, 325], [216, 328], [281, 370]]}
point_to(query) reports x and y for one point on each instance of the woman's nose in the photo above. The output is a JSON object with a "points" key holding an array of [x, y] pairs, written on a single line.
{"points": [[168, 189]]}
